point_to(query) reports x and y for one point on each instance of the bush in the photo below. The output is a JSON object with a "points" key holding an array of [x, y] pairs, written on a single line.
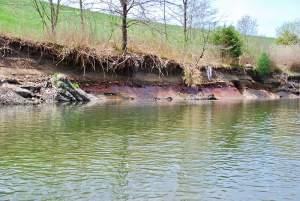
{"points": [[263, 65], [192, 76], [230, 41], [286, 57], [287, 38], [295, 67]]}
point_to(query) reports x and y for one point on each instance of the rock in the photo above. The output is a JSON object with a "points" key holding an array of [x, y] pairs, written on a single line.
{"points": [[62, 98], [85, 96], [10, 81], [67, 96], [67, 92], [44, 90], [9, 97], [170, 99], [249, 67], [295, 78], [287, 95], [272, 83], [32, 88], [211, 97], [253, 94], [110, 94], [24, 92], [48, 95]]}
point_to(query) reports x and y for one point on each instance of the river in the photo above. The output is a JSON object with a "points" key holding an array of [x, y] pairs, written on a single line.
{"points": [[209, 151]]}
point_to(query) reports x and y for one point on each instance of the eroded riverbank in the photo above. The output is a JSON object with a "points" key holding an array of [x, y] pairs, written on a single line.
{"points": [[26, 70]]}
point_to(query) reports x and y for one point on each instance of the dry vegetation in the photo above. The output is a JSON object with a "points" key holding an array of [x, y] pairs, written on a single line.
{"points": [[286, 58], [89, 59]]}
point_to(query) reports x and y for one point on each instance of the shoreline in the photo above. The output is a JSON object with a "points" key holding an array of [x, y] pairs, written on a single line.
{"points": [[25, 91], [27, 70]]}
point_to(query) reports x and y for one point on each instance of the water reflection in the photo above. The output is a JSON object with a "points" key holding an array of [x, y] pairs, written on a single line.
{"points": [[228, 151]]}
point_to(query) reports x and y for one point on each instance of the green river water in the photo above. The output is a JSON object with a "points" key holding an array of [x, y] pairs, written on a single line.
{"points": [[212, 151]]}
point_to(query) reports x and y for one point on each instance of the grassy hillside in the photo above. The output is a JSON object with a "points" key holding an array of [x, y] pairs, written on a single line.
{"points": [[19, 18]]}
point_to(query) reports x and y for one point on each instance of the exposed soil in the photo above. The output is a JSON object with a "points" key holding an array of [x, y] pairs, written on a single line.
{"points": [[130, 77]]}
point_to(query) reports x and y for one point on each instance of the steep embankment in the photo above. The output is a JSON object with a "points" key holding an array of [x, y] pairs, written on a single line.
{"points": [[133, 76]]}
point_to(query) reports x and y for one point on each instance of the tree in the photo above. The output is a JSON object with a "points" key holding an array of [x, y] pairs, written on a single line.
{"points": [[135, 9], [292, 27], [202, 23], [165, 21], [182, 13], [264, 65], [229, 41], [126, 6], [81, 14], [247, 25], [287, 38], [185, 6], [289, 33], [193, 14], [49, 13]]}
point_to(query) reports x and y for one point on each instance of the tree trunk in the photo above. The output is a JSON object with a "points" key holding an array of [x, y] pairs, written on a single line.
{"points": [[165, 21], [124, 27], [54, 13], [185, 19], [52, 17], [81, 14]]}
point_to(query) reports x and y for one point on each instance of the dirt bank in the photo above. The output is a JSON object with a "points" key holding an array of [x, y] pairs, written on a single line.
{"points": [[138, 77]]}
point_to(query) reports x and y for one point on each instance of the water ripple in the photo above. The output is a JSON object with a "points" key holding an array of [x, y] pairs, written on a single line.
{"points": [[219, 151]]}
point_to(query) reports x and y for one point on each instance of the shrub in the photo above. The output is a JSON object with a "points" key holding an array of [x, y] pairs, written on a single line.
{"points": [[286, 57], [289, 33], [192, 76], [295, 67], [230, 42], [263, 65], [287, 38]]}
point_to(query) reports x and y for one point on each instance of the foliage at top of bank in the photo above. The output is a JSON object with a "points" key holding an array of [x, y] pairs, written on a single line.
{"points": [[264, 63], [229, 41]]}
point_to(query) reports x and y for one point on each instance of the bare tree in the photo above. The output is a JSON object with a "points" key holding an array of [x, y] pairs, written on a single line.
{"points": [[81, 14], [178, 12], [199, 20], [191, 14], [81, 4], [289, 33], [203, 21], [247, 25], [48, 12], [132, 12], [291, 27], [164, 4], [185, 18], [126, 6]]}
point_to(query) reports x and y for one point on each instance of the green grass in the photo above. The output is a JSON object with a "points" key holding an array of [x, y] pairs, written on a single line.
{"points": [[19, 18]]}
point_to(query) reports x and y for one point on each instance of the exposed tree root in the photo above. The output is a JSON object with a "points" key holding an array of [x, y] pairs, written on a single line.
{"points": [[88, 59]]}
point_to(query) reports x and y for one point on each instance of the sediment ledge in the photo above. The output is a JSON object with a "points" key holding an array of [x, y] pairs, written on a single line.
{"points": [[27, 69], [56, 89]]}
